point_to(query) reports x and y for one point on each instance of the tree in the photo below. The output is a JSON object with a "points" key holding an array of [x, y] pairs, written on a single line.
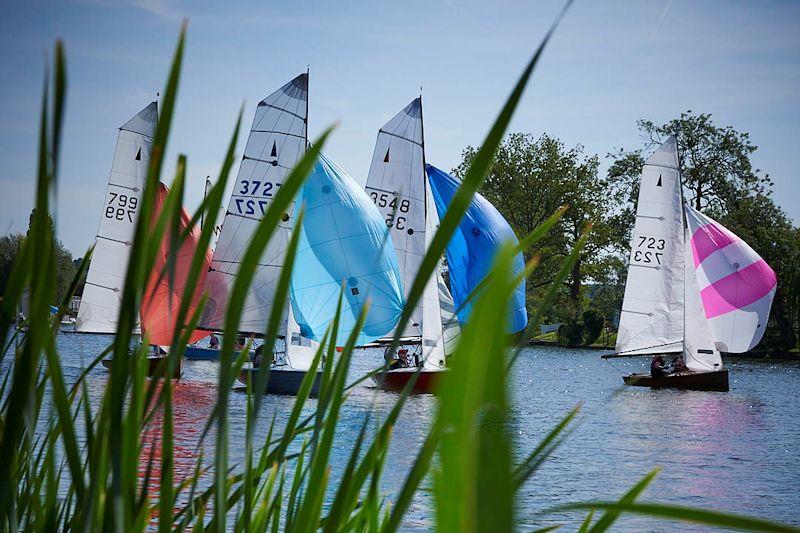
{"points": [[715, 165], [529, 180], [65, 268]]}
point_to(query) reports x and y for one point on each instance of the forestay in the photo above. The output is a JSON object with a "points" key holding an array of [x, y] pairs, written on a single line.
{"points": [[102, 294], [396, 184], [345, 249], [652, 316], [736, 286], [277, 141], [472, 248]]}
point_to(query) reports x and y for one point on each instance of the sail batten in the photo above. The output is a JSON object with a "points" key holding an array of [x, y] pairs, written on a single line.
{"points": [[101, 299]]}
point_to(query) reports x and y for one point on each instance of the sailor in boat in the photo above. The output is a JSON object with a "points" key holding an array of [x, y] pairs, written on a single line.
{"points": [[657, 368], [213, 342]]}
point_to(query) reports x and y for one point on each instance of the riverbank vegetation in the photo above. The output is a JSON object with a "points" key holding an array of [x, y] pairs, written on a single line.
{"points": [[67, 463], [530, 177]]}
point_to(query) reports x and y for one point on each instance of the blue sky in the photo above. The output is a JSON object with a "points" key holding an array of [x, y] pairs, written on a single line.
{"points": [[609, 64]]}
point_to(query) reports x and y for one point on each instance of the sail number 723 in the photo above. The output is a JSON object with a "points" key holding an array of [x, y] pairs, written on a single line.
{"points": [[647, 250]]}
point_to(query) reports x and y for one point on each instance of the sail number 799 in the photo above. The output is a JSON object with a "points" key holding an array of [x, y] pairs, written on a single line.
{"points": [[121, 206]]}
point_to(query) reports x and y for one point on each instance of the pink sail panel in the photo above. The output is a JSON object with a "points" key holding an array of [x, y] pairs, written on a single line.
{"points": [[736, 285], [162, 299]]}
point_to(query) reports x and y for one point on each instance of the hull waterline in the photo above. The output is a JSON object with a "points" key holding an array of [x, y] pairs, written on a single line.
{"points": [[283, 381], [396, 380], [705, 381], [156, 366]]}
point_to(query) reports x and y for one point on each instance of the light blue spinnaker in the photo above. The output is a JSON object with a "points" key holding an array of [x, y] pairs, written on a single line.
{"points": [[472, 248], [344, 242]]}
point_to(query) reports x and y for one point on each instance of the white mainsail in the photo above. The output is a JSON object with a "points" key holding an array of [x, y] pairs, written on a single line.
{"points": [[397, 184], [99, 308], [652, 317], [277, 141]]}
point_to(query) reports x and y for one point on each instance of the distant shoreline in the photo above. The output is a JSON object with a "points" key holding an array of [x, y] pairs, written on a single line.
{"points": [[774, 355]]}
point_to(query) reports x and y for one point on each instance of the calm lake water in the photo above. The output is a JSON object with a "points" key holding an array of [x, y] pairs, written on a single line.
{"points": [[737, 451]]}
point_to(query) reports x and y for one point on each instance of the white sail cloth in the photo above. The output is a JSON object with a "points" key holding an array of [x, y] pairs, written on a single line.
{"points": [[653, 307], [276, 143], [736, 286], [102, 294], [396, 183]]}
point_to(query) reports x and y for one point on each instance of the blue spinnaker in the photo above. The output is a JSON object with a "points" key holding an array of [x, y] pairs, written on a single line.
{"points": [[472, 248], [344, 248]]}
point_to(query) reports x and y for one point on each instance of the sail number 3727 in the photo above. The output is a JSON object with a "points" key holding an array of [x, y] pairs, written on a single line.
{"points": [[648, 250]]}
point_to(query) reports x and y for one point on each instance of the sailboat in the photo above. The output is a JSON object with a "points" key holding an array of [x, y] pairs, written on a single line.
{"points": [[694, 288], [342, 249], [102, 294], [398, 186]]}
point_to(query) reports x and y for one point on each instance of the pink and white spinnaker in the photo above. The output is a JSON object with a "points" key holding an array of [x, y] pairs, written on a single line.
{"points": [[736, 285]]}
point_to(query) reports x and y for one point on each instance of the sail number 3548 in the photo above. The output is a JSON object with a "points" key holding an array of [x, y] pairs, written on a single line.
{"points": [[648, 250], [390, 202]]}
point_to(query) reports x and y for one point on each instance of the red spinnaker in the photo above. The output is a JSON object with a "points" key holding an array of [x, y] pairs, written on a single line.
{"points": [[162, 297]]}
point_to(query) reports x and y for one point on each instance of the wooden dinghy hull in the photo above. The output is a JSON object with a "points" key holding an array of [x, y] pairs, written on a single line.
{"points": [[156, 366], [707, 381], [284, 382], [396, 380]]}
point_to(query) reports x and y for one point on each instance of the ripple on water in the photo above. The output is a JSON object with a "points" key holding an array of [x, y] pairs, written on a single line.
{"points": [[735, 451]]}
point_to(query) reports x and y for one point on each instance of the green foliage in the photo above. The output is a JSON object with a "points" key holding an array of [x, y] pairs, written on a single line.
{"points": [[570, 334], [65, 268], [528, 181], [593, 322], [66, 465]]}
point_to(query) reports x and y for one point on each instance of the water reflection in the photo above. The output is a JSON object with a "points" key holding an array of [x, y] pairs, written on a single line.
{"points": [[734, 451]]}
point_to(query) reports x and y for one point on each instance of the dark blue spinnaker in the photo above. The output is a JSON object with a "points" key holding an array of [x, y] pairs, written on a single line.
{"points": [[470, 252]]}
